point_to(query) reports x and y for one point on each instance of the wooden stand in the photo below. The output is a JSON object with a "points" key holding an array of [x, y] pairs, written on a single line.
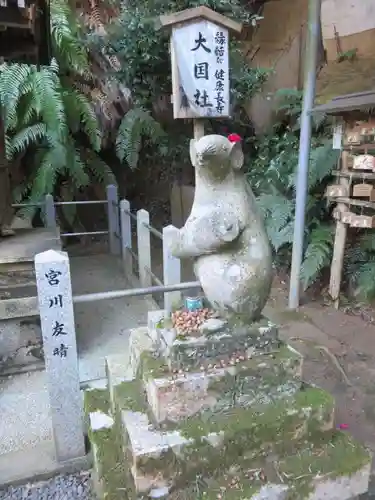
{"points": [[198, 126], [345, 195], [339, 246]]}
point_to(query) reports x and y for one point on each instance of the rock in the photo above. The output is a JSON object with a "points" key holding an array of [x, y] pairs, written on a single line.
{"points": [[21, 223], [159, 493], [212, 325], [225, 233]]}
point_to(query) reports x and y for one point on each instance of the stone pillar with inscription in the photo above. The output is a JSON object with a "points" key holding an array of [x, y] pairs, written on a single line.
{"points": [[60, 351]]}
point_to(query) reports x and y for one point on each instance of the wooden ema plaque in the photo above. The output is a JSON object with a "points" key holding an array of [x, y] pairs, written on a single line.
{"points": [[363, 162], [358, 221], [337, 191], [364, 191], [355, 163], [360, 132]]}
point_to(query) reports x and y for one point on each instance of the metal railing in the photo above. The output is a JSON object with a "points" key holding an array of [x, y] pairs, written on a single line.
{"points": [[142, 257], [135, 292], [120, 218], [49, 205]]}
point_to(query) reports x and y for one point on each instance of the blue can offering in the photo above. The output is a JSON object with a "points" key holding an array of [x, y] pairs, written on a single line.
{"points": [[193, 303]]}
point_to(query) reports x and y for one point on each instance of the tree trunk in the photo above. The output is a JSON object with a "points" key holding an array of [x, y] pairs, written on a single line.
{"points": [[6, 210]]}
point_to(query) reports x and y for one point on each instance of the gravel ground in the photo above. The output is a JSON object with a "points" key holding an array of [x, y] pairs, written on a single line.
{"points": [[78, 487], [67, 487]]}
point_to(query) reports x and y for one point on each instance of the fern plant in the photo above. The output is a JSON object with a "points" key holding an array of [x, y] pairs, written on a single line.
{"points": [[136, 124], [273, 177], [359, 265], [47, 117]]}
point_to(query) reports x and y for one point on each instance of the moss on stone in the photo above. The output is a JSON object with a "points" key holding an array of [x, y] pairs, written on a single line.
{"points": [[112, 473], [283, 359], [272, 384], [326, 456], [129, 395], [230, 486], [237, 321], [151, 366], [96, 399], [114, 478], [242, 434], [166, 464], [265, 423], [330, 456]]}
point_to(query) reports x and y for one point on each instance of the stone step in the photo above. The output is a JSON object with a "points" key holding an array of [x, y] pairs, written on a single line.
{"points": [[17, 252], [334, 467], [159, 455], [175, 397], [111, 478]]}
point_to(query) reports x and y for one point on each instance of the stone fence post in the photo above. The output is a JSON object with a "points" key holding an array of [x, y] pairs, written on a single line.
{"points": [[144, 248], [171, 270], [60, 352], [113, 211], [126, 237], [50, 212]]}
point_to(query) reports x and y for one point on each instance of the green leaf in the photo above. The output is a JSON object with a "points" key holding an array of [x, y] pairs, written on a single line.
{"points": [[318, 254], [136, 125]]}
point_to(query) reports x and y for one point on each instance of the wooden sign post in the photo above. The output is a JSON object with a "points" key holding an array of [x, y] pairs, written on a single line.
{"points": [[200, 64]]}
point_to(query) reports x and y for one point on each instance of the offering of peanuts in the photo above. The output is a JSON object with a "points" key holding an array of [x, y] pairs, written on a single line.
{"points": [[189, 322]]}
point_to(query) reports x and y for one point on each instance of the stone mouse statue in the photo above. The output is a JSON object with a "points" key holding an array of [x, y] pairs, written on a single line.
{"points": [[225, 233]]}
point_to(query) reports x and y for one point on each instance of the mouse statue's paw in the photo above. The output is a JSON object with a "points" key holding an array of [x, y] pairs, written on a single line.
{"points": [[175, 244], [228, 229]]}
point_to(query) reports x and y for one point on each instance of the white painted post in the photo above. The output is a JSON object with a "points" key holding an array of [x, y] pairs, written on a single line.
{"points": [[126, 237], [171, 269], [144, 247], [60, 351], [113, 220]]}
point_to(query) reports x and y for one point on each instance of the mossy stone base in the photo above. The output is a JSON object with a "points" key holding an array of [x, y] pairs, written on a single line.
{"points": [[232, 342], [174, 397], [160, 456], [334, 467], [111, 477], [247, 428]]}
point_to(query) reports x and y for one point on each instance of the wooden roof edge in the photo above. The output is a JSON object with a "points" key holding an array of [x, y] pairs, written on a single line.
{"points": [[359, 101], [183, 16]]}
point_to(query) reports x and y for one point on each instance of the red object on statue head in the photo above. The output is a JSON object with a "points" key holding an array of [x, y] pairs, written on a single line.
{"points": [[234, 138]]}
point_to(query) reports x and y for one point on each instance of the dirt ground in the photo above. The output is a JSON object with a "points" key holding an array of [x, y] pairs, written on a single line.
{"points": [[339, 350]]}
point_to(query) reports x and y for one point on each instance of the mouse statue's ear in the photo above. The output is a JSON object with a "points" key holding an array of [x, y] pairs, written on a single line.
{"points": [[193, 153], [236, 156]]}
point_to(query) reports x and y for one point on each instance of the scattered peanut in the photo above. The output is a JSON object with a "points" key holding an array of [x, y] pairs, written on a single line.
{"points": [[188, 322]]}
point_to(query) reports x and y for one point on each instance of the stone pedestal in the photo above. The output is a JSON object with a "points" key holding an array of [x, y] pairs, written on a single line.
{"points": [[222, 415]]}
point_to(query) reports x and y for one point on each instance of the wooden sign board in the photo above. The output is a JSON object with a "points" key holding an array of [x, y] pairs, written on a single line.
{"points": [[200, 62], [358, 221]]}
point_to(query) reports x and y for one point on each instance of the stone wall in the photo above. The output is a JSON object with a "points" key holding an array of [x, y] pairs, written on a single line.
{"points": [[355, 24], [279, 45]]}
